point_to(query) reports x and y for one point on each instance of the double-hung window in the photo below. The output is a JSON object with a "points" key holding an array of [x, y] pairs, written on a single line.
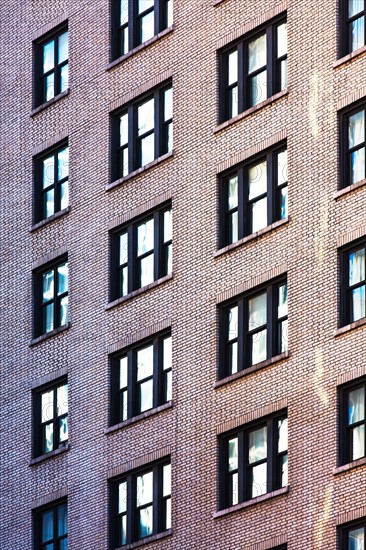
{"points": [[253, 195], [50, 417], [140, 504], [51, 297], [253, 68], [353, 15], [50, 527], [352, 536], [143, 131], [353, 269], [253, 460], [353, 145], [352, 421], [52, 68], [253, 328]]}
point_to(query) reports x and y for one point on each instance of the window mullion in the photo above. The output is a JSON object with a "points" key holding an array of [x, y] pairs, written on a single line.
{"points": [[271, 190], [55, 421], [131, 509], [158, 123], [271, 322], [157, 356], [242, 202], [132, 137], [271, 456], [132, 24], [131, 383], [131, 258], [56, 305], [242, 80], [243, 478], [157, 17], [242, 324], [157, 491], [158, 245], [271, 61]]}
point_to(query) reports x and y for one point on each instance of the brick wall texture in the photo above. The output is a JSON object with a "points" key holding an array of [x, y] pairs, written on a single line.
{"points": [[306, 248]]}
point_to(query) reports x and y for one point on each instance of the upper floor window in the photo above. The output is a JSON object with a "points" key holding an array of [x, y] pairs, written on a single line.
{"points": [[136, 21], [253, 69], [352, 421], [353, 260], [51, 182], [140, 504], [253, 328], [52, 69], [50, 527], [253, 195], [143, 131], [354, 25], [141, 378], [253, 460], [352, 536], [50, 417], [141, 252], [353, 138]]}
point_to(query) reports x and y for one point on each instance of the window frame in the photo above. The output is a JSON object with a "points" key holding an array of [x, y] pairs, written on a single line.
{"points": [[345, 302], [344, 150], [345, 35], [37, 524], [345, 440], [343, 531]]}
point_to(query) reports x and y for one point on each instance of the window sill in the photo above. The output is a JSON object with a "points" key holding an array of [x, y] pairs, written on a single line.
{"points": [[349, 189], [251, 237], [251, 111], [50, 219], [253, 368], [343, 60], [139, 291], [139, 417], [135, 173], [147, 540], [50, 102], [51, 454], [138, 48], [349, 466], [251, 502], [49, 334], [351, 326]]}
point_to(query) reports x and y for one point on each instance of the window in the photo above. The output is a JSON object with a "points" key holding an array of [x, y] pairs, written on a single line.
{"points": [[140, 504], [141, 378], [50, 417], [50, 527], [52, 68], [51, 297], [353, 271], [253, 69], [141, 252], [253, 328], [253, 195], [352, 421], [353, 15], [353, 143], [352, 535], [51, 185], [143, 131], [136, 21], [254, 460]]}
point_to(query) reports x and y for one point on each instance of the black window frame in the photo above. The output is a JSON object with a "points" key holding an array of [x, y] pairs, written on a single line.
{"points": [[345, 431], [273, 194], [345, 317], [343, 531], [37, 524], [131, 513], [345, 151], [274, 481], [273, 67], [346, 22], [40, 95]]}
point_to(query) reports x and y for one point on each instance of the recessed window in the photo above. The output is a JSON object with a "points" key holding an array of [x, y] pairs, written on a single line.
{"points": [[136, 21], [50, 417], [353, 15], [50, 527], [353, 145], [140, 504], [141, 252], [352, 536], [52, 68], [352, 421], [141, 378], [51, 297], [353, 266], [253, 328], [253, 68], [253, 195], [253, 460], [143, 131], [51, 182]]}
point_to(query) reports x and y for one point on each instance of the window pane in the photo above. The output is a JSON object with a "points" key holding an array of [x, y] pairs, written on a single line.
{"points": [[257, 445], [358, 165], [169, 8], [233, 357], [48, 292], [147, 149], [259, 347], [146, 117], [357, 267], [48, 171], [282, 301], [47, 526], [356, 129], [124, 405], [48, 318], [233, 192], [168, 386], [258, 180], [48, 56], [167, 353], [124, 281], [145, 362], [146, 396], [62, 400], [167, 226], [284, 336], [63, 47], [257, 53], [234, 489], [259, 215], [358, 33], [146, 522], [233, 102], [63, 429], [282, 167], [168, 104], [356, 405], [284, 471], [124, 162], [284, 74], [124, 12], [233, 67], [50, 86], [259, 484], [169, 139], [123, 372], [233, 323], [63, 544], [283, 203], [147, 27], [144, 5], [122, 497], [144, 489], [48, 546], [258, 88], [147, 270], [145, 237], [64, 306], [282, 435], [282, 40], [50, 202], [257, 311], [233, 227], [167, 480], [64, 84], [168, 514], [233, 454], [62, 520], [123, 249], [358, 442], [48, 438], [63, 276], [64, 194], [47, 406], [356, 539], [358, 303], [355, 6], [123, 534], [123, 129]]}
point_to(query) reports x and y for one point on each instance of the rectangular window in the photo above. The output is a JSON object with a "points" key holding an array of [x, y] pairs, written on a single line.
{"points": [[141, 252], [352, 536], [253, 195], [140, 504], [136, 21], [254, 460], [52, 68], [353, 145], [50, 527], [141, 378], [353, 268], [253, 68], [51, 182], [253, 328], [143, 131], [50, 417], [352, 421], [353, 16], [51, 297]]}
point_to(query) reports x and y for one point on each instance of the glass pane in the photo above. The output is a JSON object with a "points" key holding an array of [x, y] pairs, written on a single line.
{"points": [[284, 74], [258, 180], [233, 102], [355, 6], [358, 442], [167, 480], [358, 165], [47, 406], [170, 137], [144, 5], [259, 484], [146, 117], [123, 372], [64, 84], [282, 435], [282, 301], [48, 546], [233, 192], [258, 88], [167, 353], [48, 171], [257, 53], [282, 167], [64, 192], [259, 215], [63, 544], [257, 445], [124, 12], [146, 396], [48, 56], [147, 149], [48, 438], [259, 347], [146, 522], [123, 529], [63, 276], [168, 515], [235, 489], [233, 323], [258, 311], [145, 237], [282, 40], [47, 526], [284, 471], [356, 539], [233, 357], [284, 336], [64, 305], [122, 497], [123, 249], [124, 162], [124, 281], [233, 454], [169, 9], [233, 67], [233, 228], [356, 405], [168, 386], [63, 429], [358, 303], [147, 270], [50, 203], [356, 129], [63, 47], [125, 45], [145, 362], [357, 266], [124, 405], [168, 104], [50, 86], [123, 129], [167, 226], [47, 286], [358, 33], [283, 203], [48, 318], [144, 489], [147, 27], [62, 521], [62, 400]]}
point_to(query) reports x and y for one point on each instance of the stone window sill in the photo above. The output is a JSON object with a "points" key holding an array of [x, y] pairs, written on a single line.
{"points": [[251, 502], [139, 291], [140, 47], [135, 173], [251, 111], [343, 60], [251, 237], [254, 368], [49, 334], [147, 540], [50, 219], [349, 189], [139, 417], [351, 326], [51, 454], [50, 102], [349, 466]]}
